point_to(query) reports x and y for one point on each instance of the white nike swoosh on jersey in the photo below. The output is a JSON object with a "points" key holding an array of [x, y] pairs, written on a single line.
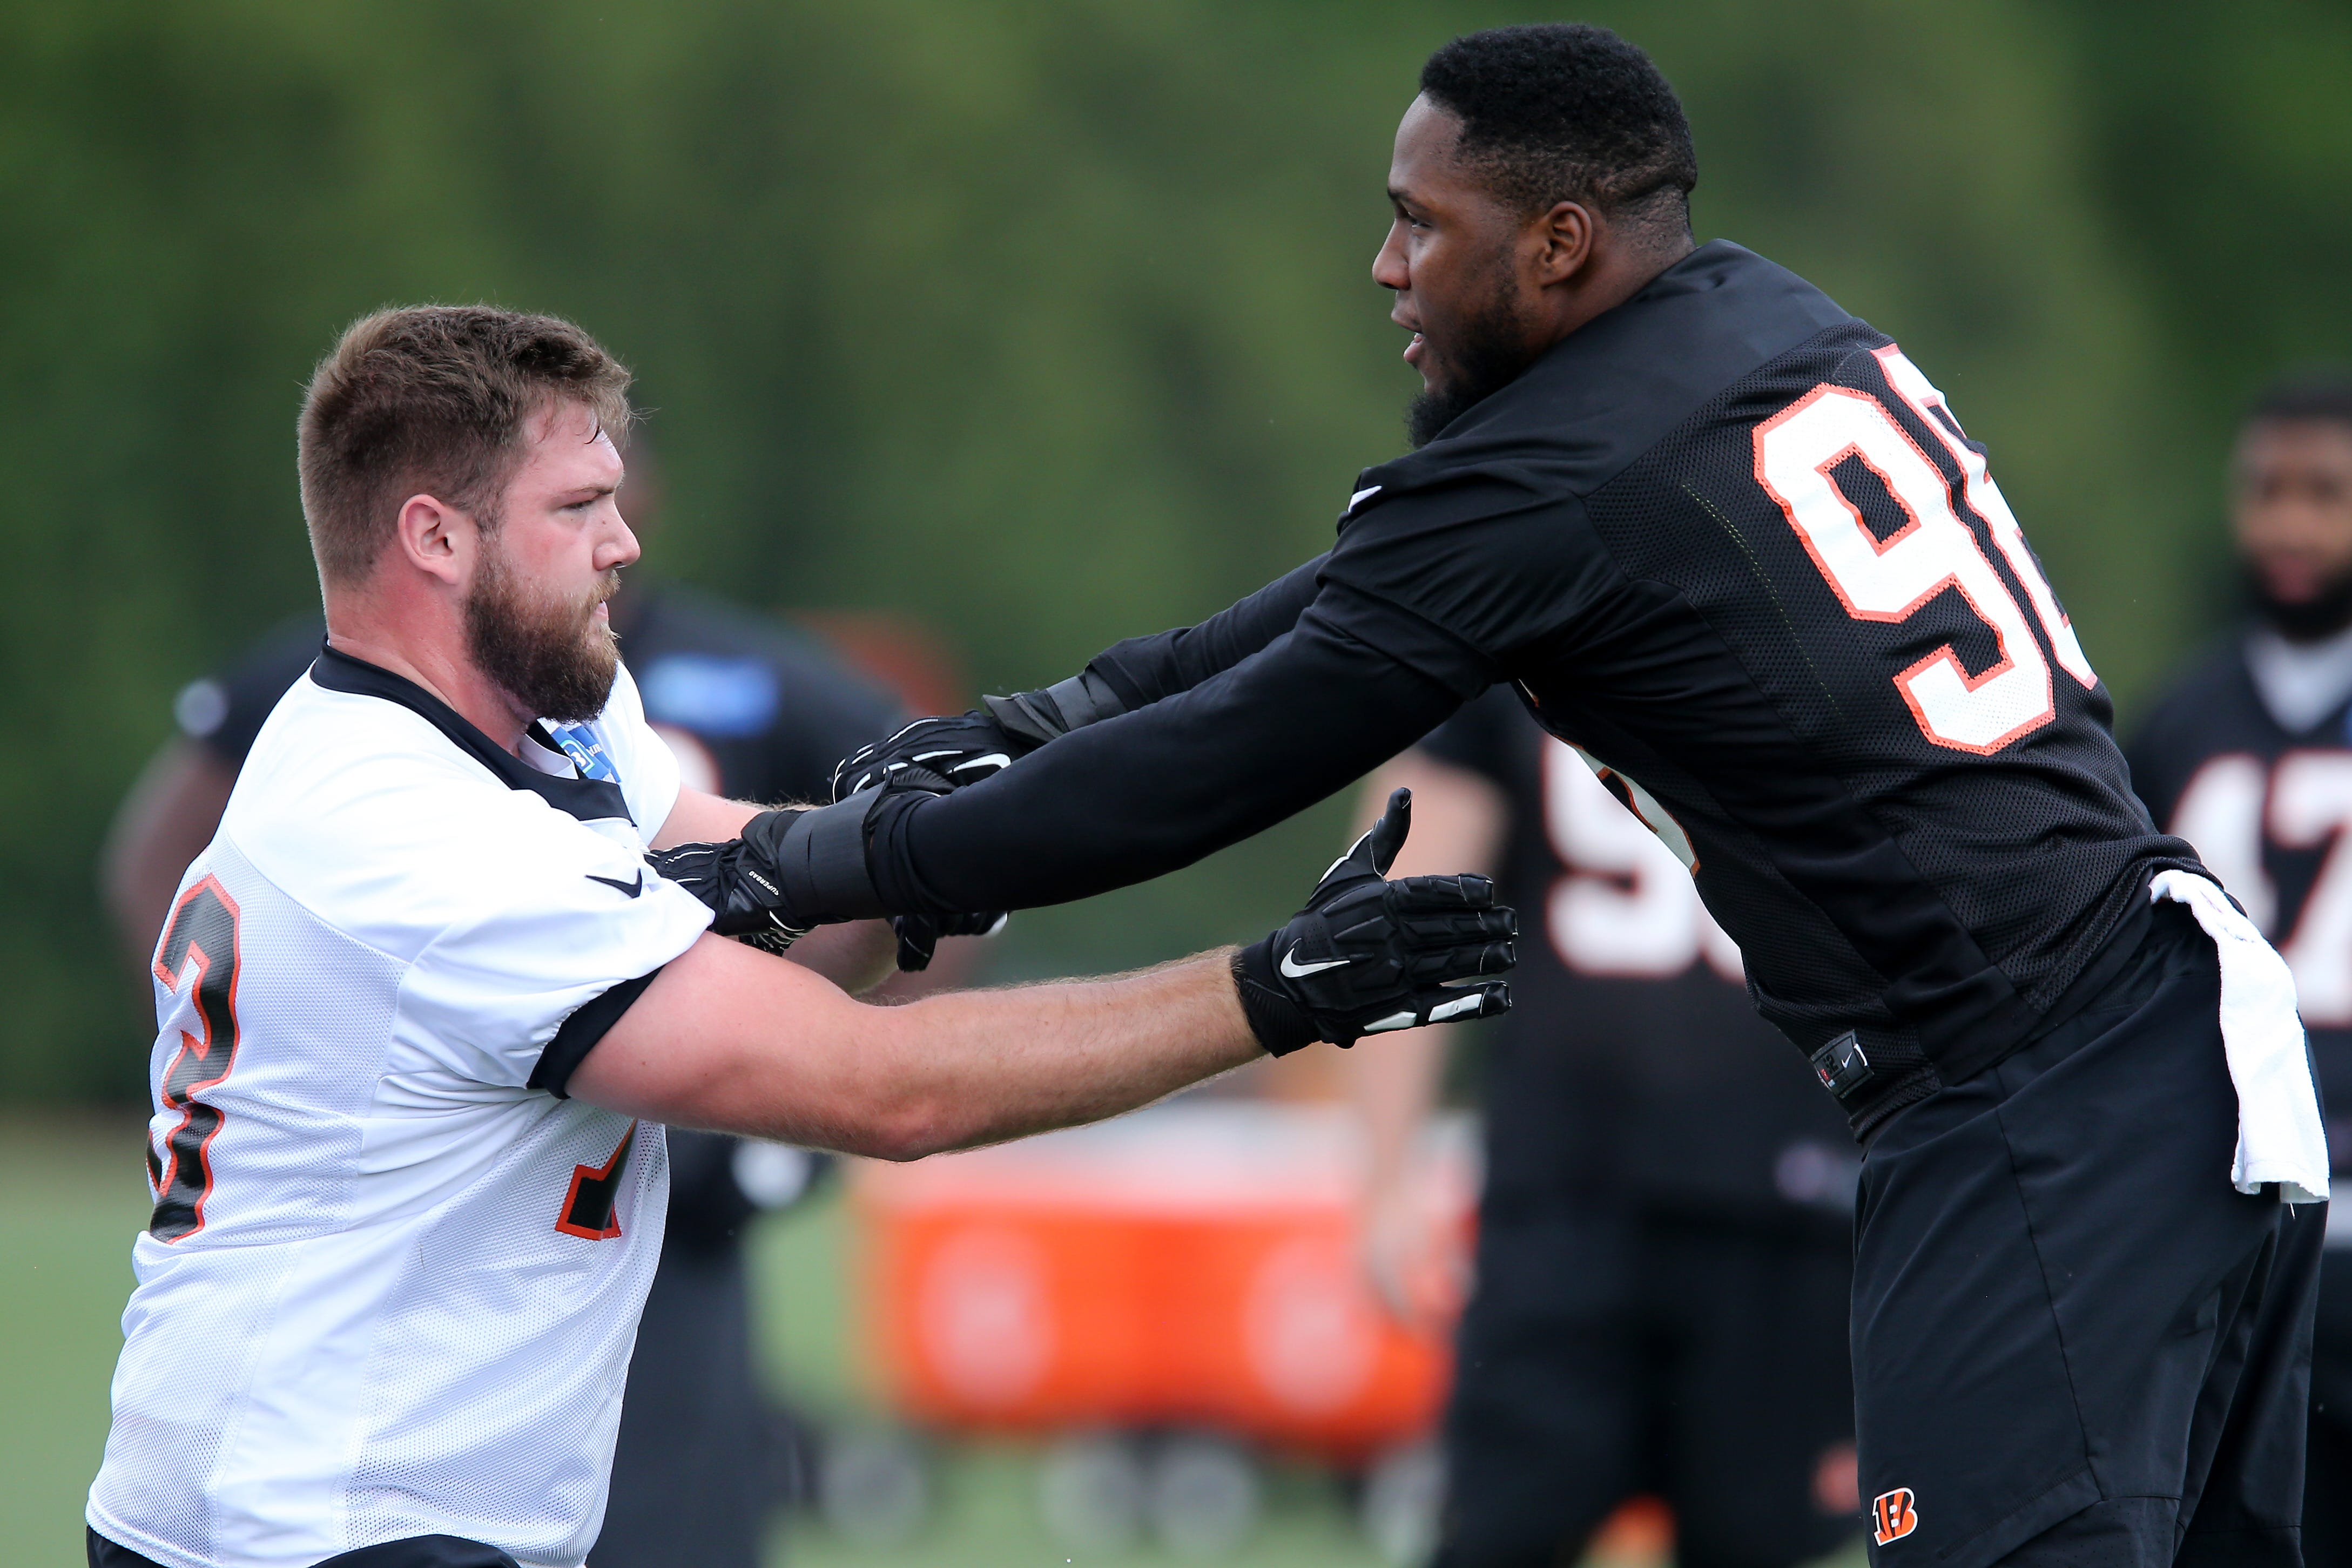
{"points": [[1293, 969], [1360, 497]]}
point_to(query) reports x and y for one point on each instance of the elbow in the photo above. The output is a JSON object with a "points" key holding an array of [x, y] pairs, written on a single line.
{"points": [[909, 1131]]}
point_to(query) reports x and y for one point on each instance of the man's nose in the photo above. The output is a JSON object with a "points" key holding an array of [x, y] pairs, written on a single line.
{"points": [[621, 549], [1389, 268]]}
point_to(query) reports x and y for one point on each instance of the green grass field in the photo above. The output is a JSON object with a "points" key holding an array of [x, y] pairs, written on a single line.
{"points": [[76, 1199]]}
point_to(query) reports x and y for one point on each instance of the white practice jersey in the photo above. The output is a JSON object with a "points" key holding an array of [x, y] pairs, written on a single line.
{"points": [[392, 1278]]}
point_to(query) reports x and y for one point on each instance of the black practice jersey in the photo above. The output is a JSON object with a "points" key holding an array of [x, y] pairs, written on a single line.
{"points": [[2269, 811], [1628, 1072], [1727, 538]]}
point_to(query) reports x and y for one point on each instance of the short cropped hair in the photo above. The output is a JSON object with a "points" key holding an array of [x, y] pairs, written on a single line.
{"points": [[435, 400], [2310, 396], [1562, 111]]}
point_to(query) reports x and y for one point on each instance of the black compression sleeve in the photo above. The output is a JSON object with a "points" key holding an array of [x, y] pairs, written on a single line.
{"points": [[1142, 670], [1139, 795]]}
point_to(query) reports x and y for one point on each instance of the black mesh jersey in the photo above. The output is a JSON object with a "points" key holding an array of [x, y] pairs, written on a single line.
{"points": [[1727, 538], [2270, 812], [1631, 1070]]}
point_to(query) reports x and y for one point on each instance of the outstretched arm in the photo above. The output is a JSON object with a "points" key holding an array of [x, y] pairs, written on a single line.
{"points": [[1113, 803], [1120, 679], [1142, 670], [732, 1040], [1140, 795], [728, 1038]]}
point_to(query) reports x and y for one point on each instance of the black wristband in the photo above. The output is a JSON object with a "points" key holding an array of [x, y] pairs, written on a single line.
{"points": [[1280, 1024]]}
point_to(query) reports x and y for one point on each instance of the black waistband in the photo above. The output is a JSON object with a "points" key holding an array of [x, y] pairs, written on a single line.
{"points": [[416, 1552], [2116, 976]]}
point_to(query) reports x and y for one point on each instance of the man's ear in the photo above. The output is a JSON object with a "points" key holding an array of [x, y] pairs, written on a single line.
{"points": [[435, 538], [1564, 238]]}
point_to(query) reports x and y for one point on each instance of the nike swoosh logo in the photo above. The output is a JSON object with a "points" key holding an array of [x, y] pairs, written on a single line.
{"points": [[631, 888], [1293, 969]]}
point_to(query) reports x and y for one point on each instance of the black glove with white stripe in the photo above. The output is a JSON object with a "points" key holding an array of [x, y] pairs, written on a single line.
{"points": [[936, 756], [967, 748], [1367, 956], [959, 750]]}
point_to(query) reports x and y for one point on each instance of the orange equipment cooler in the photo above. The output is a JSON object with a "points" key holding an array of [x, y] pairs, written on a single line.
{"points": [[1194, 1266]]}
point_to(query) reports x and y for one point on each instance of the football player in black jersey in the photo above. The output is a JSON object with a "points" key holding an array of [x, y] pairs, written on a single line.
{"points": [[1665, 1222], [1730, 541], [2249, 757], [756, 712]]}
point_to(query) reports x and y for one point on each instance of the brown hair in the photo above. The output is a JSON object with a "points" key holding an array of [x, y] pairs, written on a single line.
{"points": [[434, 399]]}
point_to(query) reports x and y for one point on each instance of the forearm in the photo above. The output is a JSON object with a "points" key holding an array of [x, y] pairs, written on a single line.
{"points": [[1143, 670], [856, 957], [700, 817], [980, 1067], [1145, 793], [723, 1040]]}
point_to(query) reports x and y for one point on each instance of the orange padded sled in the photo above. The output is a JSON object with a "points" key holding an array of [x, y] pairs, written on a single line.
{"points": [[1189, 1266]]}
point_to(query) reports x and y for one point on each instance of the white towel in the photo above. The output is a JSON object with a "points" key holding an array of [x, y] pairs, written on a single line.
{"points": [[2279, 1135]]}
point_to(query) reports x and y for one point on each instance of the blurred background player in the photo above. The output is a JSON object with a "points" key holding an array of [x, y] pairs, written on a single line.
{"points": [[754, 711], [1664, 1236], [2249, 757]]}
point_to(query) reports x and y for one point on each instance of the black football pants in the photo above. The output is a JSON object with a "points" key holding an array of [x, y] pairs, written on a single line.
{"points": [[1604, 1355], [2075, 1342], [2328, 1473]]}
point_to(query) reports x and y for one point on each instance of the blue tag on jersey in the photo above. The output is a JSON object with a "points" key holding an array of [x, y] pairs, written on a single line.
{"points": [[587, 753]]}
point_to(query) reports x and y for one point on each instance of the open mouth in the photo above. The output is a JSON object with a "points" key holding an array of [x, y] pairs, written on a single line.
{"points": [[1413, 350]]}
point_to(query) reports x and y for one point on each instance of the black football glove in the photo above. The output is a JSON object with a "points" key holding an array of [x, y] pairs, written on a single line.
{"points": [[970, 747], [1367, 956], [787, 872], [935, 756], [918, 935], [959, 751], [797, 868]]}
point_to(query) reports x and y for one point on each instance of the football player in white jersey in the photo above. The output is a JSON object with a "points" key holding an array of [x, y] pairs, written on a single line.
{"points": [[423, 1007]]}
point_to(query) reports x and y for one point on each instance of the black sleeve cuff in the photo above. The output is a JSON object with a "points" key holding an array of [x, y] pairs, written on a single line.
{"points": [[1280, 1025], [588, 1024]]}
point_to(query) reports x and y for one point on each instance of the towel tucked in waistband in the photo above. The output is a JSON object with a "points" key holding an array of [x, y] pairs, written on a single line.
{"points": [[2279, 1135]]}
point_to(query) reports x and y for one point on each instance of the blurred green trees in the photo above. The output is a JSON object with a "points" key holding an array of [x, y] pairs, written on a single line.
{"points": [[1045, 322]]}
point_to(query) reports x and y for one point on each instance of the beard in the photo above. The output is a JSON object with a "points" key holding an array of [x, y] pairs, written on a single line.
{"points": [[1489, 352], [554, 659], [2304, 621]]}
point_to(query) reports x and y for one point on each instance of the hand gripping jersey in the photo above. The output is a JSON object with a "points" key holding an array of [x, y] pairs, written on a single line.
{"points": [[393, 1276], [1731, 541]]}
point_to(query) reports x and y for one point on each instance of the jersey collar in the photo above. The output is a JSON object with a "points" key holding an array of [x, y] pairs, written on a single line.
{"points": [[589, 799]]}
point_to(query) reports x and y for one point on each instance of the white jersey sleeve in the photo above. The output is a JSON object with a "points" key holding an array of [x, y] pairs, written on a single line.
{"points": [[563, 918]]}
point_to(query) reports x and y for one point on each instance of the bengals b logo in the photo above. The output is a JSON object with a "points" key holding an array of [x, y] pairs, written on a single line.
{"points": [[1893, 1513]]}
